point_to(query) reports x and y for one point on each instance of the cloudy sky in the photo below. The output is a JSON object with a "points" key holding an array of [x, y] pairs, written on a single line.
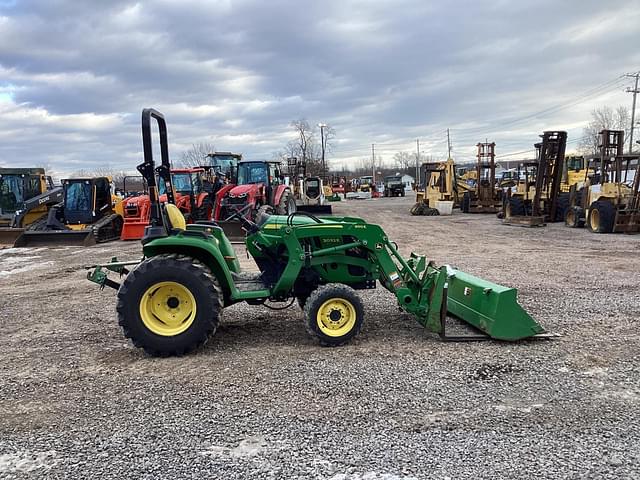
{"points": [[75, 75]]}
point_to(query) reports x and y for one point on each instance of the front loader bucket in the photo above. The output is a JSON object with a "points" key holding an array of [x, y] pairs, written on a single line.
{"points": [[8, 235], [491, 308], [315, 209], [233, 230], [82, 238]]}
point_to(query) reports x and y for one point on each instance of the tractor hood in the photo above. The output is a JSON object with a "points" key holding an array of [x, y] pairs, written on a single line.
{"points": [[242, 190]]}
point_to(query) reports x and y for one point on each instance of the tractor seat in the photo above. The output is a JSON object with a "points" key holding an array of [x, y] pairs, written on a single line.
{"points": [[175, 219]]}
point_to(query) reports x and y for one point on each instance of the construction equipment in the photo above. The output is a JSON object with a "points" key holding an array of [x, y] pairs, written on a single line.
{"points": [[309, 192], [25, 196], [608, 201], [89, 214], [259, 183], [170, 303], [439, 184], [194, 190], [393, 186], [537, 198], [484, 196]]}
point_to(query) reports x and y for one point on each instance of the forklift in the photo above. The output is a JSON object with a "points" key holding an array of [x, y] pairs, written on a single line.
{"points": [[485, 196], [608, 201]]}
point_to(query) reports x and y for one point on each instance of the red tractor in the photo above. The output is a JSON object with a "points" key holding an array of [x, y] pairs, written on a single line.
{"points": [[259, 183], [194, 197]]}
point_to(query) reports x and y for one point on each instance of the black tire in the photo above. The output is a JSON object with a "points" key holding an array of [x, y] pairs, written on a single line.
{"points": [[302, 300], [287, 204], [402, 193], [514, 207], [562, 206], [188, 273], [203, 212], [574, 218], [466, 202], [601, 216], [348, 308]]}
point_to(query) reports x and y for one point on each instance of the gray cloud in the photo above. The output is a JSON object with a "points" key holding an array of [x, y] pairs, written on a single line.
{"points": [[74, 76]]}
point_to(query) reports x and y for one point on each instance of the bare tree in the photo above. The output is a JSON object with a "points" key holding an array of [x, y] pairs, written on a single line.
{"points": [[603, 118], [305, 137], [196, 154], [404, 160]]}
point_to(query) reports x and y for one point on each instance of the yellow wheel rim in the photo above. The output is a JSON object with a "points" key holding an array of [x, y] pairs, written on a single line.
{"points": [[570, 220], [595, 219], [336, 317], [167, 308]]}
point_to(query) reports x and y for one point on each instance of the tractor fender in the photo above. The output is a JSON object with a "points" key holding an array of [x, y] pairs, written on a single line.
{"points": [[280, 189], [201, 198], [199, 248]]}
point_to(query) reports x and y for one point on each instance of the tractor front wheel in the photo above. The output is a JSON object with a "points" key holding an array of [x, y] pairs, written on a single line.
{"points": [[334, 314], [169, 305]]}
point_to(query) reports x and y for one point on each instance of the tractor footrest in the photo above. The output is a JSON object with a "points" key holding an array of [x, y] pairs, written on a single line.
{"points": [[248, 281]]}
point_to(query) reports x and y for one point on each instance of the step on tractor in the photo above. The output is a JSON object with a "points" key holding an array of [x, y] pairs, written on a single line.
{"points": [[484, 196], [170, 302], [393, 186], [537, 198], [26, 194], [194, 190], [608, 198], [89, 213], [439, 183], [260, 185]]}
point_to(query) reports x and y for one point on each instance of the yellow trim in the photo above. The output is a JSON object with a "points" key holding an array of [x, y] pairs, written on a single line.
{"points": [[158, 314], [324, 225], [336, 327]]}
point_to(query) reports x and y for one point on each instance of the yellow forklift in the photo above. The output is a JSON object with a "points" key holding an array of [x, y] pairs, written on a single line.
{"points": [[89, 213], [607, 201], [485, 196]]}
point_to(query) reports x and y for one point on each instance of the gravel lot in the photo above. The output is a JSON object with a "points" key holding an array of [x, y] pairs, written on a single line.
{"points": [[262, 400]]}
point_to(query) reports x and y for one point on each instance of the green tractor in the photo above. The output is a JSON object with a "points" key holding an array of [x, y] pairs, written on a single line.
{"points": [[170, 302]]}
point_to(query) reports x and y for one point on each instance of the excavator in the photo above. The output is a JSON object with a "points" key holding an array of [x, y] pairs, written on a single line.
{"points": [[88, 214]]}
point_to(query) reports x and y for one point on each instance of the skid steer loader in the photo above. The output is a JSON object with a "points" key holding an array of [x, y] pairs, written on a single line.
{"points": [[170, 302], [25, 196], [88, 214]]}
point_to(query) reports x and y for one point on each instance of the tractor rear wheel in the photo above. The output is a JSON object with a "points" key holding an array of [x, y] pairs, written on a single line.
{"points": [[601, 216], [169, 305], [334, 314], [287, 204]]}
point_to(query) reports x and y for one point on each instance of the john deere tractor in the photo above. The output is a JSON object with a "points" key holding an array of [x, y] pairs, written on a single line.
{"points": [[170, 302]]}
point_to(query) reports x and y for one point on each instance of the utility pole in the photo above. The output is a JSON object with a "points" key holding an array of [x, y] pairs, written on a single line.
{"points": [[417, 161], [373, 162], [448, 143], [635, 91], [324, 171]]}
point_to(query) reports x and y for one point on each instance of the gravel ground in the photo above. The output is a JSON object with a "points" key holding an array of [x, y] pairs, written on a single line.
{"points": [[262, 400]]}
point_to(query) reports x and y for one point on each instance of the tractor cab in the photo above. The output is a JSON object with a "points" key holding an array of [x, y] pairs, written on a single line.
{"points": [[224, 164], [260, 173]]}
